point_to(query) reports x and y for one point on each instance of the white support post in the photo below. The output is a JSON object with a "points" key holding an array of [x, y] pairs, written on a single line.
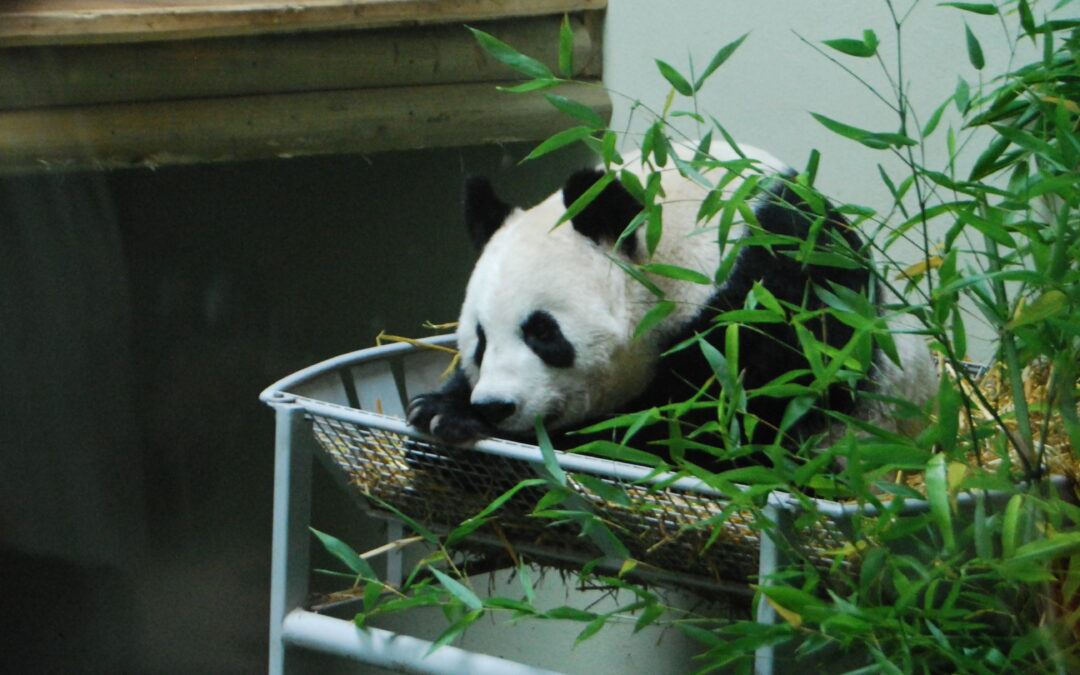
{"points": [[292, 510]]}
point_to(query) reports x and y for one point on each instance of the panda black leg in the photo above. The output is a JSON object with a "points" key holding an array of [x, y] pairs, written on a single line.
{"points": [[447, 414]]}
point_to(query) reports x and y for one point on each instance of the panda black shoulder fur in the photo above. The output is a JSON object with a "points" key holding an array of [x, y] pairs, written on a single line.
{"points": [[546, 328]]}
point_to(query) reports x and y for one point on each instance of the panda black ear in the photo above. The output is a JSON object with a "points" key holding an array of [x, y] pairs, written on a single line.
{"points": [[607, 215], [484, 211]]}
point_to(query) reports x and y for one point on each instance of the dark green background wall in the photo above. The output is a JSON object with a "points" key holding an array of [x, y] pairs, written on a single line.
{"points": [[141, 313]]}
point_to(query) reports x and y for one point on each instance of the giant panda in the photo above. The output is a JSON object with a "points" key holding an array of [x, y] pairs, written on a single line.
{"points": [[546, 330]]}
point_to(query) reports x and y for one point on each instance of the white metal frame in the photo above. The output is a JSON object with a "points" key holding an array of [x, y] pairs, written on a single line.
{"points": [[292, 627]]}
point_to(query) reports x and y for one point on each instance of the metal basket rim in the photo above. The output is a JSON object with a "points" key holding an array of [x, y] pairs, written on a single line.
{"points": [[279, 394]]}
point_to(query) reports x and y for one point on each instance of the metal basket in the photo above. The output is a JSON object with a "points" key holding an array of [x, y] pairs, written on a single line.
{"points": [[355, 403]]}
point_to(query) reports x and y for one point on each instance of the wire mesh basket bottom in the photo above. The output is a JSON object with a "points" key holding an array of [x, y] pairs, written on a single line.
{"points": [[665, 528]]}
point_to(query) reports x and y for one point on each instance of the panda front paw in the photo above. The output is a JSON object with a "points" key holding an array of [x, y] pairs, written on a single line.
{"points": [[446, 418]]}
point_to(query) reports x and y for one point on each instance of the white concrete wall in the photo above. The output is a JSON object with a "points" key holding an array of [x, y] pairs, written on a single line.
{"points": [[764, 94]]}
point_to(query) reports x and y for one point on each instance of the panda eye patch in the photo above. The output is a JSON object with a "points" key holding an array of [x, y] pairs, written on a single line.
{"points": [[542, 334], [481, 345]]}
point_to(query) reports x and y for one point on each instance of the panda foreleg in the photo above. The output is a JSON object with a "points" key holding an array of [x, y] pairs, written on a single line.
{"points": [[447, 414]]}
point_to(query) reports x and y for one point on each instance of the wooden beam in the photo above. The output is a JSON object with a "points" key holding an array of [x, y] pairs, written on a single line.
{"points": [[280, 125], [264, 64], [51, 22]]}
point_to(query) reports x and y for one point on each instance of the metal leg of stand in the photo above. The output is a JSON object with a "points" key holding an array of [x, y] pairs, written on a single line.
{"points": [[770, 558], [292, 512]]}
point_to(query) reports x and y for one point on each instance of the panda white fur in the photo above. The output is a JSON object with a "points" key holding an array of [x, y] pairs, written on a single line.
{"points": [[546, 328]]}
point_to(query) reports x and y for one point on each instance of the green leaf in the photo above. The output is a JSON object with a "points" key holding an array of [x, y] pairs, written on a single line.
{"points": [[532, 85], [525, 577], [586, 198], [569, 614], [566, 47], [653, 317], [551, 460], [561, 139], [676, 272], [675, 79], [937, 494], [718, 363], [591, 629], [1050, 548], [649, 615], [345, 554], [1027, 20], [701, 635], [635, 273], [455, 629], [984, 8], [578, 111], [875, 140], [792, 599], [935, 118], [1049, 304], [1010, 526], [865, 48], [974, 49], [416, 527], [620, 453], [509, 603], [503, 52], [474, 523], [1029, 142], [796, 409], [752, 475], [722, 55], [948, 402], [458, 590], [765, 297]]}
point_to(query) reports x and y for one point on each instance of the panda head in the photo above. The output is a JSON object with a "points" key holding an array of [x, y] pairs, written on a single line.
{"points": [[546, 328]]}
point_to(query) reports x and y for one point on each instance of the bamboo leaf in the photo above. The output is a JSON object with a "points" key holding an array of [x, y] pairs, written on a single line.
{"points": [[566, 47], [1010, 526], [503, 52], [455, 629], [935, 118], [551, 460], [561, 139], [591, 628], [578, 111], [474, 523], [915, 271], [653, 317], [345, 554], [525, 576], [569, 614], [458, 590], [871, 139], [1027, 20], [793, 618], [984, 8], [974, 49], [532, 85], [1050, 548], [1049, 304], [676, 272], [937, 494], [675, 79], [865, 48], [722, 55]]}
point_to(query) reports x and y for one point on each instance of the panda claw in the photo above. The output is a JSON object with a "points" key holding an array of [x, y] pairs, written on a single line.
{"points": [[444, 418]]}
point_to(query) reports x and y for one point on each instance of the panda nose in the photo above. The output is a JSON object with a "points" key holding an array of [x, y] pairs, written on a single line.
{"points": [[494, 411]]}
